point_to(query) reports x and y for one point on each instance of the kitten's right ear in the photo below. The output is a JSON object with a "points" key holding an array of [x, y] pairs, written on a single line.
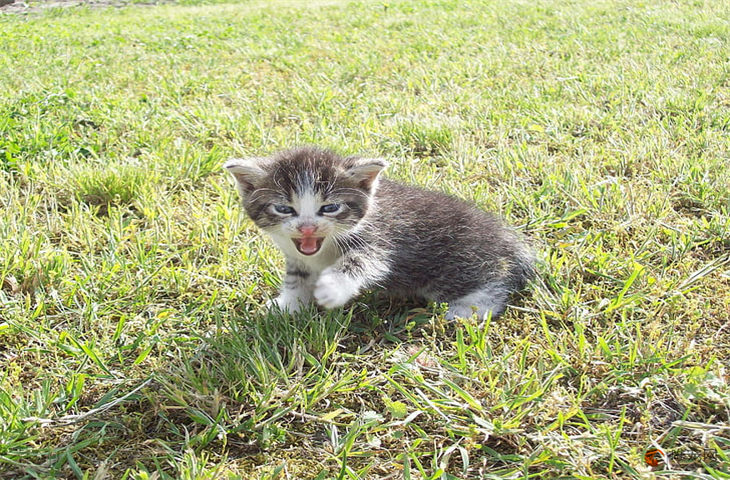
{"points": [[246, 171], [365, 171]]}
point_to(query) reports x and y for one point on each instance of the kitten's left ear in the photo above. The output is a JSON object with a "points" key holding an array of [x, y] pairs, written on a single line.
{"points": [[365, 171]]}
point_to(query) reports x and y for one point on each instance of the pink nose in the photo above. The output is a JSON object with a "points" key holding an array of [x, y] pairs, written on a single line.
{"points": [[307, 230]]}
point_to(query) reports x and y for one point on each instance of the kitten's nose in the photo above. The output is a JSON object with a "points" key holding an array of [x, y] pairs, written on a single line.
{"points": [[307, 229]]}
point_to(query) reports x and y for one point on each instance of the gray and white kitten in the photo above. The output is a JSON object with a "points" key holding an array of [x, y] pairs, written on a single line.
{"points": [[344, 230]]}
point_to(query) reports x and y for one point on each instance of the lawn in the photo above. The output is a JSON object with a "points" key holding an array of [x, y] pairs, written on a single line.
{"points": [[134, 342]]}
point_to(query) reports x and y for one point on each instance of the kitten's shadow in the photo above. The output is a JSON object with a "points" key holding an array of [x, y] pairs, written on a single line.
{"points": [[374, 318], [377, 307], [380, 318]]}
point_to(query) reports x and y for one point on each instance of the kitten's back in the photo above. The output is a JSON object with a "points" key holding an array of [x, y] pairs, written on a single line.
{"points": [[443, 247]]}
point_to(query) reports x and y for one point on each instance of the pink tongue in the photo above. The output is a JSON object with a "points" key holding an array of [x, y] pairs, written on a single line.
{"points": [[308, 244]]}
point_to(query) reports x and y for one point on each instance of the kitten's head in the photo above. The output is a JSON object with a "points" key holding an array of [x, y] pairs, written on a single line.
{"points": [[306, 196]]}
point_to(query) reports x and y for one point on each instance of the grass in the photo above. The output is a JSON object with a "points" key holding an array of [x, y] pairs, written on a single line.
{"points": [[133, 339]]}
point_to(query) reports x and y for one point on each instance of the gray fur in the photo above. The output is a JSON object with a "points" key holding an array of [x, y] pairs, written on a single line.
{"points": [[404, 239]]}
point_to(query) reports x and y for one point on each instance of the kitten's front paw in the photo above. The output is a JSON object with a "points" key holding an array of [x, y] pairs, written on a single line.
{"points": [[284, 303], [334, 290]]}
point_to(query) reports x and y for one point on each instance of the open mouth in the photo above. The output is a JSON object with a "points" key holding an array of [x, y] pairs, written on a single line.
{"points": [[308, 245]]}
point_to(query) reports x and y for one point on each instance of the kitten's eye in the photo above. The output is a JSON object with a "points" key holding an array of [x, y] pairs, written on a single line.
{"points": [[331, 208], [284, 209]]}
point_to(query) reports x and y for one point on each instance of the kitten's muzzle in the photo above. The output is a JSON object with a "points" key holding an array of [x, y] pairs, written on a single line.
{"points": [[308, 245]]}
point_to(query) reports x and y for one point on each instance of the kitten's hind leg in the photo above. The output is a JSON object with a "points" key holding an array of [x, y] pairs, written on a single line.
{"points": [[490, 298]]}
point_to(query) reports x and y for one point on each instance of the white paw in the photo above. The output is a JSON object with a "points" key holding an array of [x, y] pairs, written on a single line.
{"points": [[285, 303], [455, 312], [467, 311], [334, 289]]}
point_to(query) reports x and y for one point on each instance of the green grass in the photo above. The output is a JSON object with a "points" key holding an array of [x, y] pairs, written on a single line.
{"points": [[133, 339]]}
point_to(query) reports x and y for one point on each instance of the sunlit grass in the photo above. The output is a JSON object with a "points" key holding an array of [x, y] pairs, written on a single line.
{"points": [[134, 342]]}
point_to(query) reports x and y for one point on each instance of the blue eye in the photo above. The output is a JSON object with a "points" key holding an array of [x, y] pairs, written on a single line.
{"points": [[284, 209], [331, 208]]}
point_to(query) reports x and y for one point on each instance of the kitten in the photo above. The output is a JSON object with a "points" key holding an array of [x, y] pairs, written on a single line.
{"points": [[343, 230]]}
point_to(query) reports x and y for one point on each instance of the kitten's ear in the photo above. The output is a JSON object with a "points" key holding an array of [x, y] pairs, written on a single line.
{"points": [[246, 171], [365, 171]]}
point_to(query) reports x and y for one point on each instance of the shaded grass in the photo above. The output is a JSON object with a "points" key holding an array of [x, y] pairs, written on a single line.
{"points": [[133, 341]]}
